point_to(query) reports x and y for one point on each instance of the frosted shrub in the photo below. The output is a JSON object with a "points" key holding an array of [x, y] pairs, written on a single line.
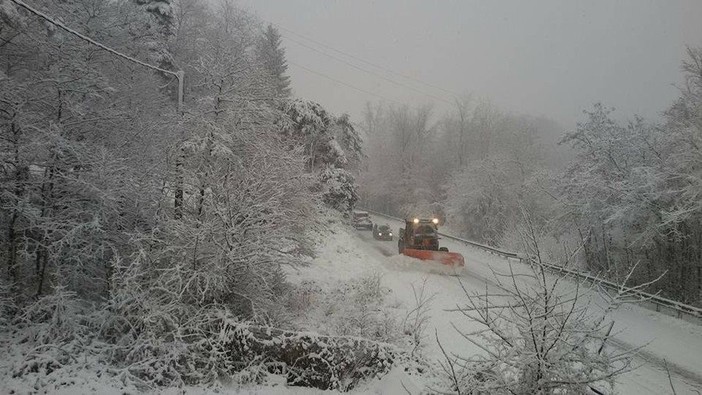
{"points": [[417, 319], [55, 318], [353, 308], [537, 339], [58, 327]]}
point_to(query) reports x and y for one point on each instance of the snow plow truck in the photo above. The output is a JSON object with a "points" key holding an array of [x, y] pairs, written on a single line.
{"points": [[420, 239]]}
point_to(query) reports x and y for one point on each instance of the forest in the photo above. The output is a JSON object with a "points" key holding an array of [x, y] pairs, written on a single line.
{"points": [[162, 188], [143, 223], [613, 197]]}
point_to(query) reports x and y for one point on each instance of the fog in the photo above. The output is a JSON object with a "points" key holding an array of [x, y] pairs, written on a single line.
{"points": [[193, 194], [552, 58]]}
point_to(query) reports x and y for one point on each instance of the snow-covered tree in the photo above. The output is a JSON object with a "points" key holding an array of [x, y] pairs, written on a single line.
{"points": [[328, 143], [632, 193], [482, 198], [338, 189], [91, 150], [347, 136], [67, 184], [401, 155], [271, 55]]}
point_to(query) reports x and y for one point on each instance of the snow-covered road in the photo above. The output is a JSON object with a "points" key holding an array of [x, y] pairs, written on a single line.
{"points": [[677, 342]]}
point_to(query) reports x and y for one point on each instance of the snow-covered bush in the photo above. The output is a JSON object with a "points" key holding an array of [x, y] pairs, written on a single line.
{"points": [[417, 319], [539, 332], [54, 318], [59, 331], [537, 338], [352, 308]]}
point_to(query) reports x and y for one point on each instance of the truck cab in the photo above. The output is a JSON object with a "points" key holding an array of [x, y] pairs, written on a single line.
{"points": [[419, 234]]}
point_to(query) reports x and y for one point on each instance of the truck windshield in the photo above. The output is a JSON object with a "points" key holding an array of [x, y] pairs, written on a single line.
{"points": [[425, 230]]}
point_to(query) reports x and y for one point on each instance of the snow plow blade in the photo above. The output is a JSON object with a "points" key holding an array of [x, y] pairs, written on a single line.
{"points": [[443, 257]]}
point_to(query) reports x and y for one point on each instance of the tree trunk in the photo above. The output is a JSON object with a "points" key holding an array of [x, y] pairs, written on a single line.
{"points": [[18, 192], [178, 198], [12, 249]]}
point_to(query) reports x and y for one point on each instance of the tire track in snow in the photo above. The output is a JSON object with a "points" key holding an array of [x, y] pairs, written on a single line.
{"points": [[652, 364], [691, 378]]}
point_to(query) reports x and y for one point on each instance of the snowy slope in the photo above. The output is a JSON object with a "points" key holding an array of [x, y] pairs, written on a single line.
{"points": [[677, 342], [345, 255]]}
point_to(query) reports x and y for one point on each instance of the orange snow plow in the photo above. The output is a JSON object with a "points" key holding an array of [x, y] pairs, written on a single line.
{"points": [[420, 239], [444, 257]]}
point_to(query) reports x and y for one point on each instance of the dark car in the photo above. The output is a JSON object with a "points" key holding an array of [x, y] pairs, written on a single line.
{"points": [[382, 232], [361, 220]]}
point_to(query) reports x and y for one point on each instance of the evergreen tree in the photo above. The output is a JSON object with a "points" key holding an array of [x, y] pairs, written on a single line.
{"points": [[347, 136], [272, 57]]}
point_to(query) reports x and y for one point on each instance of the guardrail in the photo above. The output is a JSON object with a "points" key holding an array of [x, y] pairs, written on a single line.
{"points": [[661, 304]]}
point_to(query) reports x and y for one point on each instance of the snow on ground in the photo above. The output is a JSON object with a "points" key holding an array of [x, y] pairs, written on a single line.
{"points": [[355, 254], [343, 262], [346, 256], [677, 342], [86, 376]]}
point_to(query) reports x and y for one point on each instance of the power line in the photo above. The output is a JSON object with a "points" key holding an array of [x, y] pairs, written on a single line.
{"points": [[341, 82], [387, 70], [90, 40], [369, 71], [180, 75]]}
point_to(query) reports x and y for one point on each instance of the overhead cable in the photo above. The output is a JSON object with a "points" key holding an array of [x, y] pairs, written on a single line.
{"points": [[385, 69], [370, 71]]}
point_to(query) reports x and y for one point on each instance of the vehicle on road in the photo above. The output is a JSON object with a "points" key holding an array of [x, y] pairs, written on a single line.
{"points": [[420, 239], [382, 232], [361, 220]]}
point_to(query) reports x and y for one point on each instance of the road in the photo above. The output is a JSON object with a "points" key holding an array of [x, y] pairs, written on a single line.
{"points": [[668, 341]]}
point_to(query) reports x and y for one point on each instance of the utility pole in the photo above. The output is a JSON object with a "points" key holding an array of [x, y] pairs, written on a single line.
{"points": [[178, 195], [181, 77]]}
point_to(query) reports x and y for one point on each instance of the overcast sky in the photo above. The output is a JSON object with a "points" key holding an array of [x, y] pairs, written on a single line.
{"points": [[553, 58]]}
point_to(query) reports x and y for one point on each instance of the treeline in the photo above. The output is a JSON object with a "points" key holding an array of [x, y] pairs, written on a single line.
{"points": [[154, 230], [468, 166], [610, 198]]}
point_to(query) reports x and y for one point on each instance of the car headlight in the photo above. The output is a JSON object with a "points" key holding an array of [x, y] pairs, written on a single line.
{"points": [[389, 234], [380, 234]]}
